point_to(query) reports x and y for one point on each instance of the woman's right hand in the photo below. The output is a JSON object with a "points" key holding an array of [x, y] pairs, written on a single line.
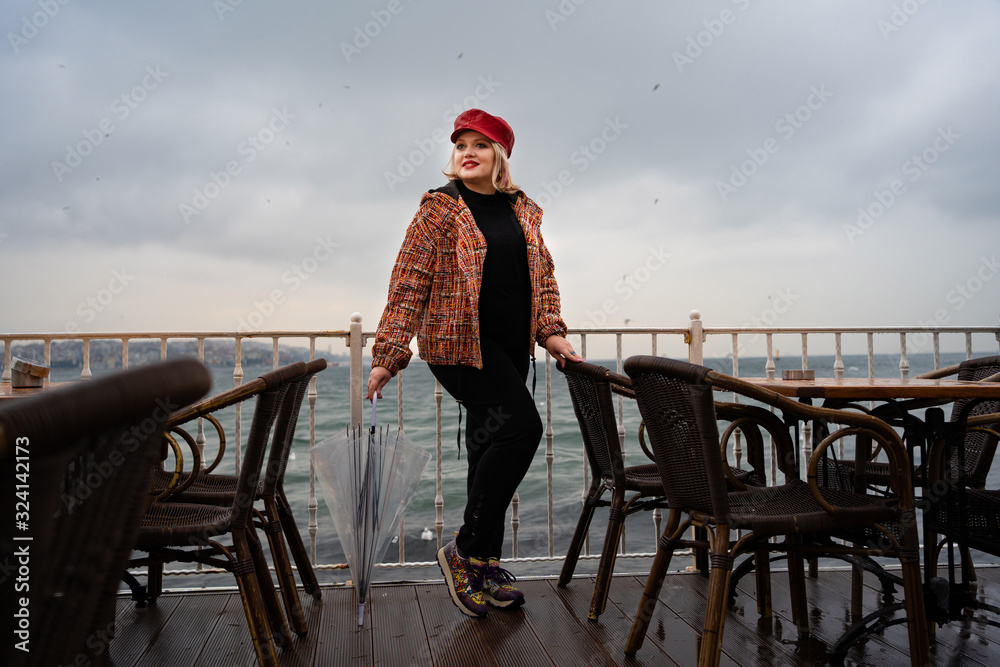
{"points": [[376, 380]]}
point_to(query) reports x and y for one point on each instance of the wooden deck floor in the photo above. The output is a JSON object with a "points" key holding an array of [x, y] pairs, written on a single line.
{"points": [[416, 624]]}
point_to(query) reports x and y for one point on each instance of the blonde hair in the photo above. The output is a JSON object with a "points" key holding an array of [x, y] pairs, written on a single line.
{"points": [[501, 170]]}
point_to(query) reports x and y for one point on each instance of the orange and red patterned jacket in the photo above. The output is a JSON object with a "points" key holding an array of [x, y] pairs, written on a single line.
{"points": [[434, 288]]}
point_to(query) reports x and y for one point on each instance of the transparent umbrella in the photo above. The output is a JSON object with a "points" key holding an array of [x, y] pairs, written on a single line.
{"points": [[368, 476]]}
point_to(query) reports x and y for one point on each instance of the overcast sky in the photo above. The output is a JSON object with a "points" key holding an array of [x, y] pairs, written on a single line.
{"points": [[254, 164]]}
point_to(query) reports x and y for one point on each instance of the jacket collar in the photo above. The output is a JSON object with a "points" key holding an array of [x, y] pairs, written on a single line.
{"points": [[451, 190]]}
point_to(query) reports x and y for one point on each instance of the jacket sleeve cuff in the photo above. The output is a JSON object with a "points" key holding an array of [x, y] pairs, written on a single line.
{"points": [[390, 359], [554, 328]]}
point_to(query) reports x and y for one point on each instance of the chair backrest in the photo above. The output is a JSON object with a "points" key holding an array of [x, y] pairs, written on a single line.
{"points": [[265, 412], [590, 390], [284, 427], [677, 405], [90, 450], [980, 447]]}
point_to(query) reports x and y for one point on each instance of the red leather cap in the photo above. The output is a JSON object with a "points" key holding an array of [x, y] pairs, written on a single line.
{"points": [[494, 127]]}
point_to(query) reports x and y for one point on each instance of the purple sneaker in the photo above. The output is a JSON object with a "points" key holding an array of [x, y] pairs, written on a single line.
{"points": [[465, 580], [497, 589]]}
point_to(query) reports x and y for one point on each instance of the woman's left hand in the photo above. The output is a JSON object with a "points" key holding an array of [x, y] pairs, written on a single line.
{"points": [[562, 350]]}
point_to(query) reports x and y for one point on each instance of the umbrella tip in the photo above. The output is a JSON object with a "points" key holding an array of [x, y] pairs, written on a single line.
{"points": [[361, 614]]}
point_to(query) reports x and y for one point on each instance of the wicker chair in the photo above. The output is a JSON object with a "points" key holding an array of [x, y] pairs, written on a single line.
{"points": [[968, 518], [167, 484], [958, 507], [89, 450], [276, 519], [177, 531], [591, 387], [677, 405]]}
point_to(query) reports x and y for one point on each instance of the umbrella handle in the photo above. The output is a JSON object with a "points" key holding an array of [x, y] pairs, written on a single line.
{"points": [[374, 399]]}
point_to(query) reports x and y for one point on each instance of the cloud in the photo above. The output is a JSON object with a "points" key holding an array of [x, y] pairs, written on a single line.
{"points": [[744, 137]]}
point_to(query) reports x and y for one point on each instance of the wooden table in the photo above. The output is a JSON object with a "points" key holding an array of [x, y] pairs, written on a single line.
{"points": [[876, 389], [7, 391]]}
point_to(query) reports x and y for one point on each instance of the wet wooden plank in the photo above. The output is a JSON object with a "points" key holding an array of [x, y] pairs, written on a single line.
{"points": [[671, 634], [398, 633], [612, 629], [189, 629], [684, 595], [451, 635], [566, 639], [339, 640], [303, 650], [231, 643], [138, 629], [508, 638]]}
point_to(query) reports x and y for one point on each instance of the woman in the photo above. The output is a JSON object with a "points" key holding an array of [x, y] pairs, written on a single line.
{"points": [[474, 281]]}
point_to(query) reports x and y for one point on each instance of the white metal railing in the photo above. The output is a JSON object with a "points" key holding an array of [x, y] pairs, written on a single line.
{"points": [[691, 339]]}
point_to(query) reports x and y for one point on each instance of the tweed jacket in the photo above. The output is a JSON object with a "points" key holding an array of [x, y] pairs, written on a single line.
{"points": [[435, 283]]}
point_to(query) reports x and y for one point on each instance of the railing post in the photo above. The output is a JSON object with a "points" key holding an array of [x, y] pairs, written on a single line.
{"points": [[313, 504], [85, 374], [838, 363], [904, 362], [48, 357], [6, 361], [354, 342], [696, 339], [237, 381]]}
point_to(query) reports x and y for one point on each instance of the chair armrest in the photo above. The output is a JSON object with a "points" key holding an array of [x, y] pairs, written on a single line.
{"points": [[900, 481], [217, 402], [983, 420], [900, 470], [175, 485], [222, 442], [939, 373], [937, 462], [750, 419], [642, 442]]}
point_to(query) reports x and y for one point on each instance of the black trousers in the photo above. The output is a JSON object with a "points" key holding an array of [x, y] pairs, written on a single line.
{"points": [[501, 435]]}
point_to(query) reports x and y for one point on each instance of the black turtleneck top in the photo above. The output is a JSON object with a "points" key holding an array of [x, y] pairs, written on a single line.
{"points": [[505, 294]]}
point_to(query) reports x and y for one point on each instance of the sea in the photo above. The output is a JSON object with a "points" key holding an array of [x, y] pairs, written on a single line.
{"points": [[568, 479]]}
